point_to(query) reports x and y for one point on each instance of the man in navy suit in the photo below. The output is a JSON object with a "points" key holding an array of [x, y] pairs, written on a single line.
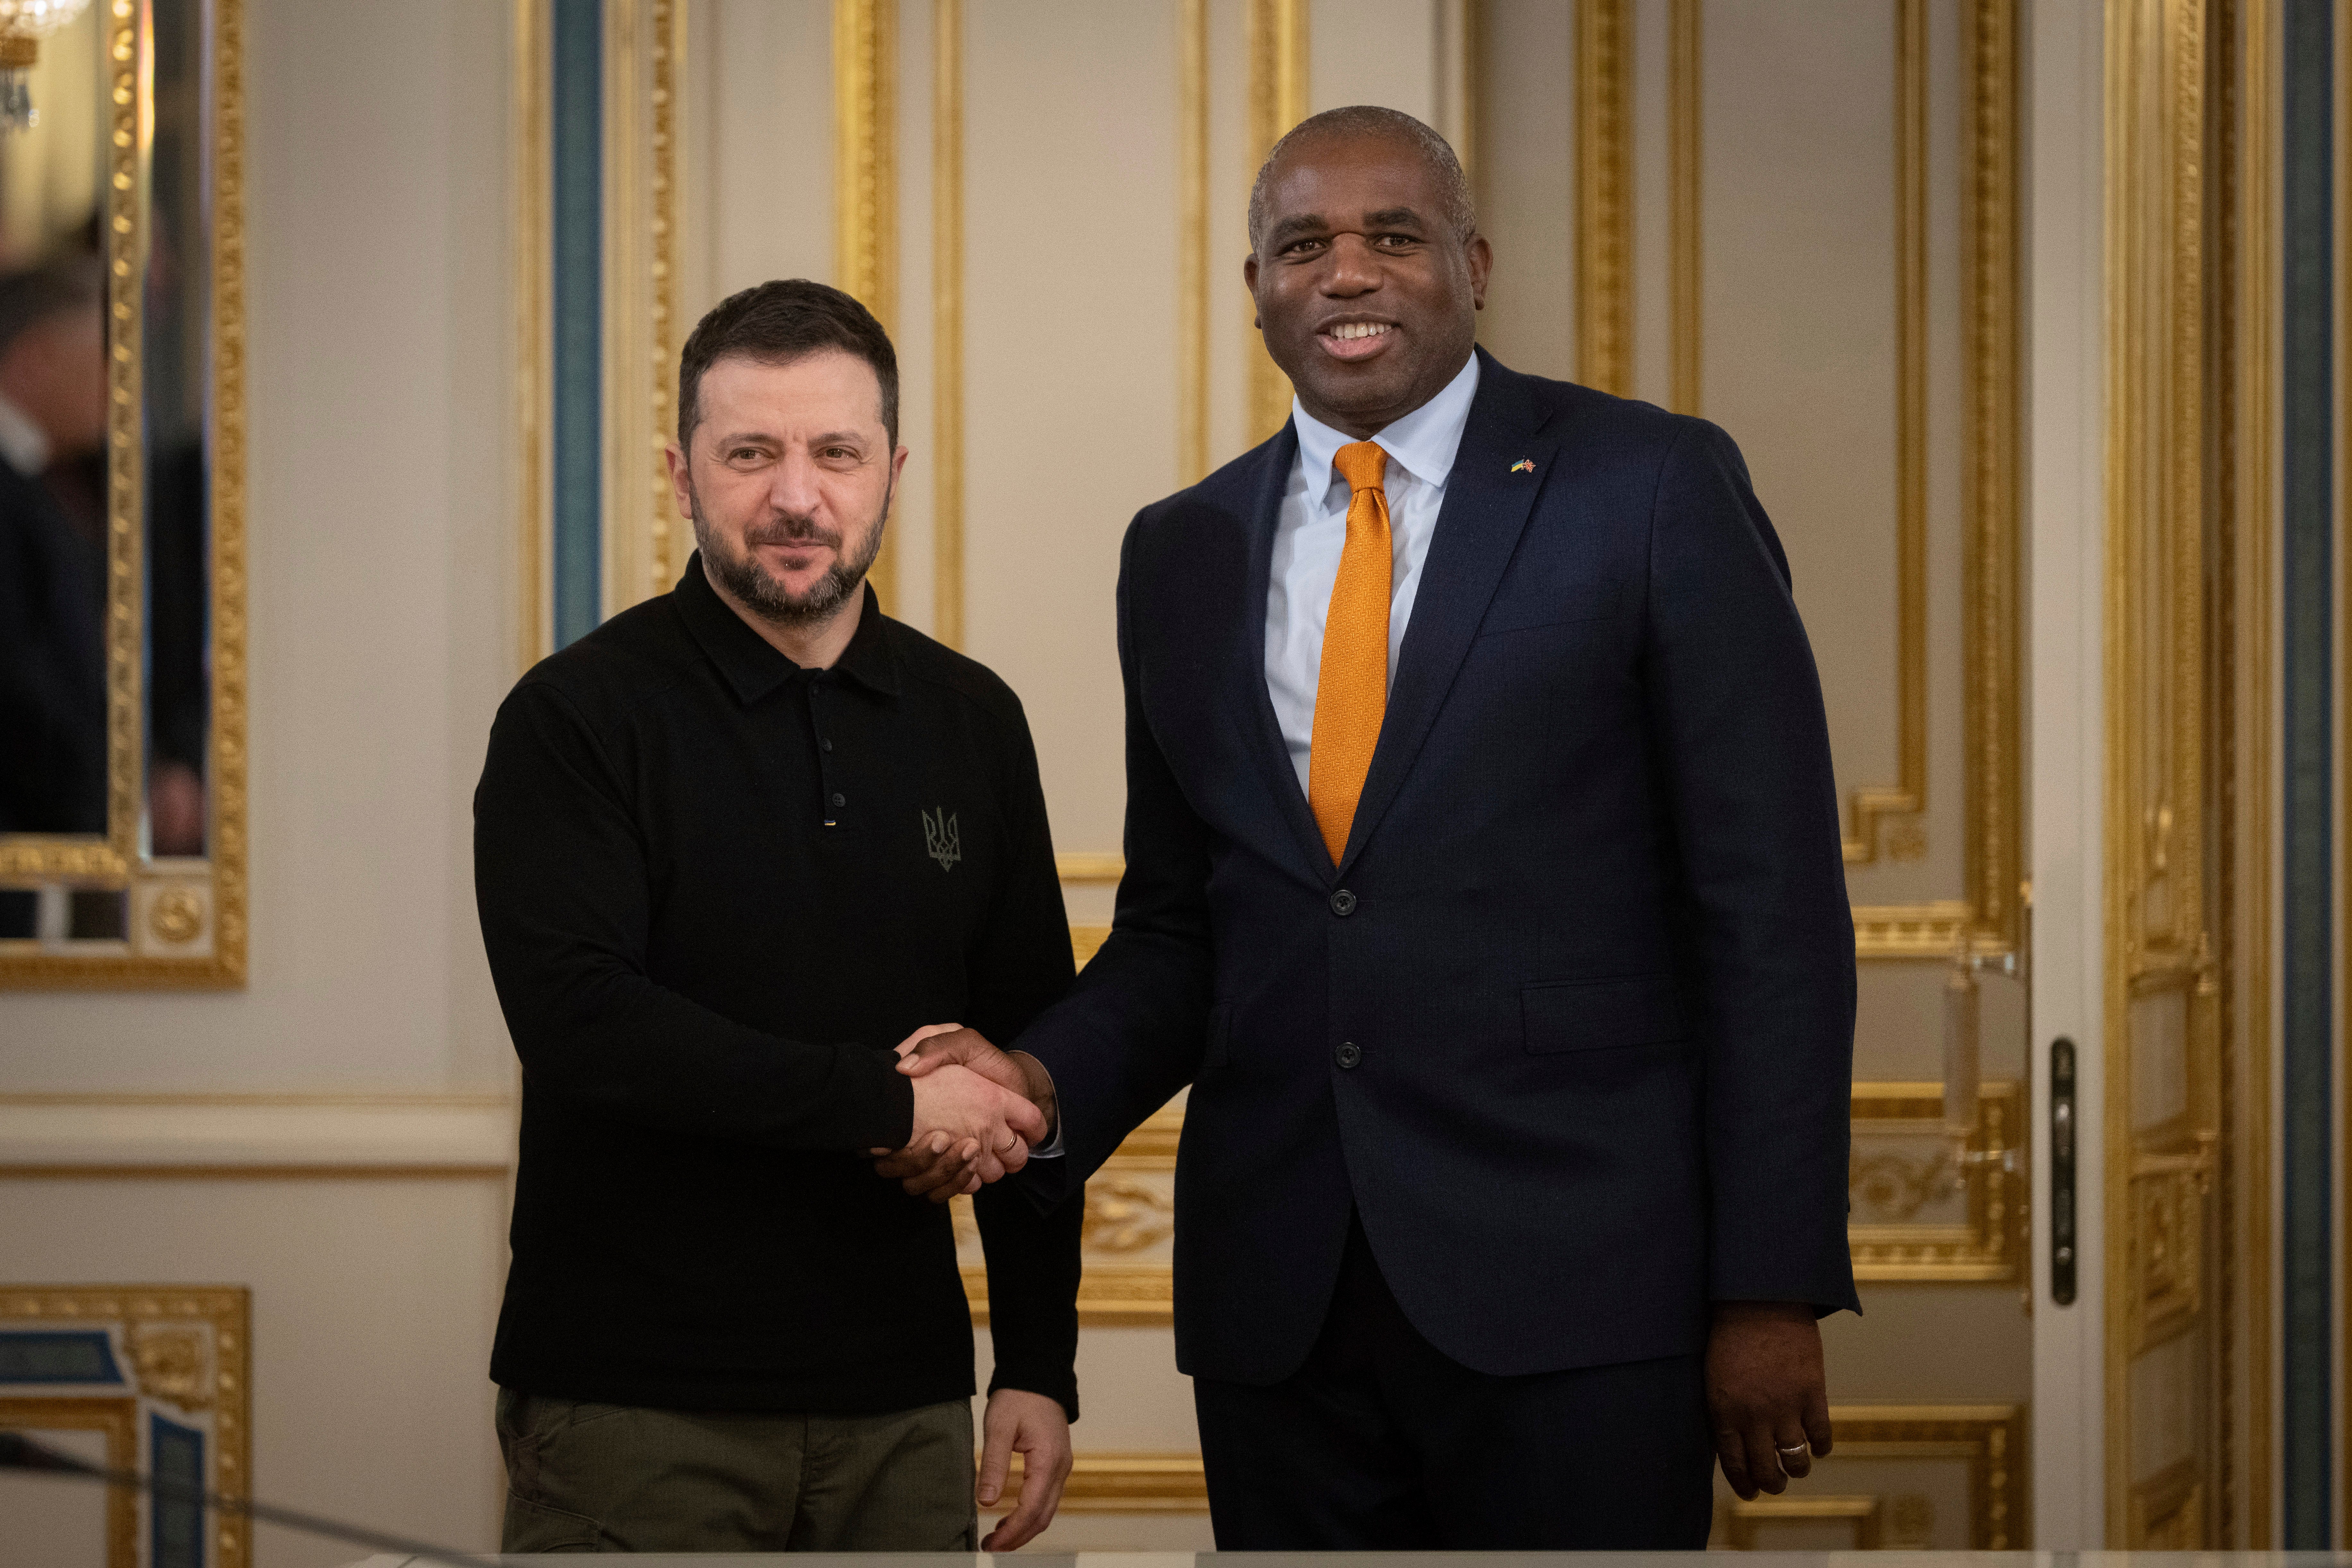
{"points": [[1484, 882]]}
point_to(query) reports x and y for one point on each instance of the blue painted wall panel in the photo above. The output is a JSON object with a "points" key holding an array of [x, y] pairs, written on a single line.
{"points": [[2309, 416], [57, 1355], [577, 222]]}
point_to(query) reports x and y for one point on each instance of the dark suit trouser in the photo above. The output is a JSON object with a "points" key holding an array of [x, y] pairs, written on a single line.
{"points": [[1382, 1442]]}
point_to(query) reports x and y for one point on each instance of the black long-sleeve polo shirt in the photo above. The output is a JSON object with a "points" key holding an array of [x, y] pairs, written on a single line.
{"points": [[715, 890]]}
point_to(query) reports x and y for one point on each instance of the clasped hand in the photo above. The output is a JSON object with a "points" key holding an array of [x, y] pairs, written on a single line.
{"points": [[978, 1112]]}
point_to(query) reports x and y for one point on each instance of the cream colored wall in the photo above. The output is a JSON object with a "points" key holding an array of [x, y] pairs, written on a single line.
{"points": [[1524, 174], [380, 575]]}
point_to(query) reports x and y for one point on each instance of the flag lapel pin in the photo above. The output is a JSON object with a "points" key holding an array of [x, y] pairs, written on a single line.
{"points": [[1524, 466]]}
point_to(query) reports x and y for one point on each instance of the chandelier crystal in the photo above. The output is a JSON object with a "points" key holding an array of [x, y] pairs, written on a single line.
{"points": [[23, 25]]}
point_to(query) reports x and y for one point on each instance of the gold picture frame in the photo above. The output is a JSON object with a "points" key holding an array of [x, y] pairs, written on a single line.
{"points": [[186, 916]]}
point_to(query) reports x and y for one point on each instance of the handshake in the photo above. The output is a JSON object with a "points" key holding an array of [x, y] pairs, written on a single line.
{"points": [[978, 1112]]}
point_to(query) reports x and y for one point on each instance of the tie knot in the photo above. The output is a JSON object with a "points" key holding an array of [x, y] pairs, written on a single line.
{"points": [[1361, 464]]}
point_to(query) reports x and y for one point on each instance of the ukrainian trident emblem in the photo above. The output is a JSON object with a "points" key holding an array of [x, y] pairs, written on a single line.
{"points": [[939, 834]]}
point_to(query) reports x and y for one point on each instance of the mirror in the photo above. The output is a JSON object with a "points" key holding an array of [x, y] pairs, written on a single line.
{"points": [[121, 584]]}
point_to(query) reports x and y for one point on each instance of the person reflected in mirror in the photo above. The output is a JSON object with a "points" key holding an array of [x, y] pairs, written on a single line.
{"points": [[178, 472], [731, 848], [53, 562], [1484, 883], [179, 683]]}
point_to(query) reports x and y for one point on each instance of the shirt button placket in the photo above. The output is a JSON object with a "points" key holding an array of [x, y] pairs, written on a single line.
{"points": [[830, 800]]}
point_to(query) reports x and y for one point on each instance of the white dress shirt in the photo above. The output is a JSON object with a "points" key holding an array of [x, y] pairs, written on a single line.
{"points": [[1312, 530], [23, 446]]}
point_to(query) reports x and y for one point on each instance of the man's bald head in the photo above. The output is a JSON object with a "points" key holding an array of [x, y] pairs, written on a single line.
{"points": [[1364, 121]]}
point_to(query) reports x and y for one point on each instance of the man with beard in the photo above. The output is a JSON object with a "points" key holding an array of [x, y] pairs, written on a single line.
{"points": [[1484, 881], [728, 849]]}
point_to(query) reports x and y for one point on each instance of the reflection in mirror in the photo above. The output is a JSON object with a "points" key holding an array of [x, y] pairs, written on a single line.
{"points": [[175, 380], [113, 403], [53, 458]]}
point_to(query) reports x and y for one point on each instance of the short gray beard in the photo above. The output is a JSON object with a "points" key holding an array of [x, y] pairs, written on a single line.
{"points": [[741, 575]]}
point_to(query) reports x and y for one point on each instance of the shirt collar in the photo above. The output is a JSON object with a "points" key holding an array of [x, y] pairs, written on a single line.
{"points": [[23, 444], [1422, 442], [751, 664]]}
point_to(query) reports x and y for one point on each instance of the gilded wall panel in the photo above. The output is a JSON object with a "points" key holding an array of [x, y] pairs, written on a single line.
{"points": [[162, 1372], [2162, 990], [1859, 162]]}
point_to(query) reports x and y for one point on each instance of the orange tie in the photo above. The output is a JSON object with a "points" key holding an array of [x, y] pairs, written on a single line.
{"points": [[1351, 691]]}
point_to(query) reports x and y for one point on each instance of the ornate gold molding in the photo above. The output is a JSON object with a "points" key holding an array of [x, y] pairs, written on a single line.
{"points": [[126, 465], [1124, 1483], [1989, 1437], [1603, 186], [1903, 1162], [1930, 931], [118, 1420], [2166, 1512], [865, 184], [1995, 850], [1134, 1216], [2160, 987], [1192, 243], [1277, 100], [643, 537], [168, 955], [1684, 124], [1740, 1519], [1084, 867], [222, 1400], [1110, 1295], [228, 780], [1869, 806], [947, 321]]}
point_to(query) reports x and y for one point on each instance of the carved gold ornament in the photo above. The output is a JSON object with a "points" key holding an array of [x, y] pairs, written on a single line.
{"points": [[1922, 1208], [1126, 1217], [169, 1359], [1893, 1188], [176, 915]]}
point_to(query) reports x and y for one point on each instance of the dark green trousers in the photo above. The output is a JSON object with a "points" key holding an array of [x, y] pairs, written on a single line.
{"points": [[611, 1477]]}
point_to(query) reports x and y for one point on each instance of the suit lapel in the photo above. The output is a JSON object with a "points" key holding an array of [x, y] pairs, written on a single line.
{"points": [[1261, 730], [1488, 497]]}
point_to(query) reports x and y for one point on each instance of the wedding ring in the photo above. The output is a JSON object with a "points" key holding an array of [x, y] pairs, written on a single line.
{"points": [[1798, 1449]]}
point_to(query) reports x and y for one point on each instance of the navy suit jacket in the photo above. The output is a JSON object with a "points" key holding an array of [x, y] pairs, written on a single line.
{"points": [[1571, 1023]]}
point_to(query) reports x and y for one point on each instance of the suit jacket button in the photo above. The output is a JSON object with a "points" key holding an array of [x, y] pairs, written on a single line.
{"points": [[1347, 1055], [1343, 903]]}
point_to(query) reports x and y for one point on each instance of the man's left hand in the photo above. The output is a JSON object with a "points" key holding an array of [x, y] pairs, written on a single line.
{"points": [[1033, 1427], [1766, 1397]]}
